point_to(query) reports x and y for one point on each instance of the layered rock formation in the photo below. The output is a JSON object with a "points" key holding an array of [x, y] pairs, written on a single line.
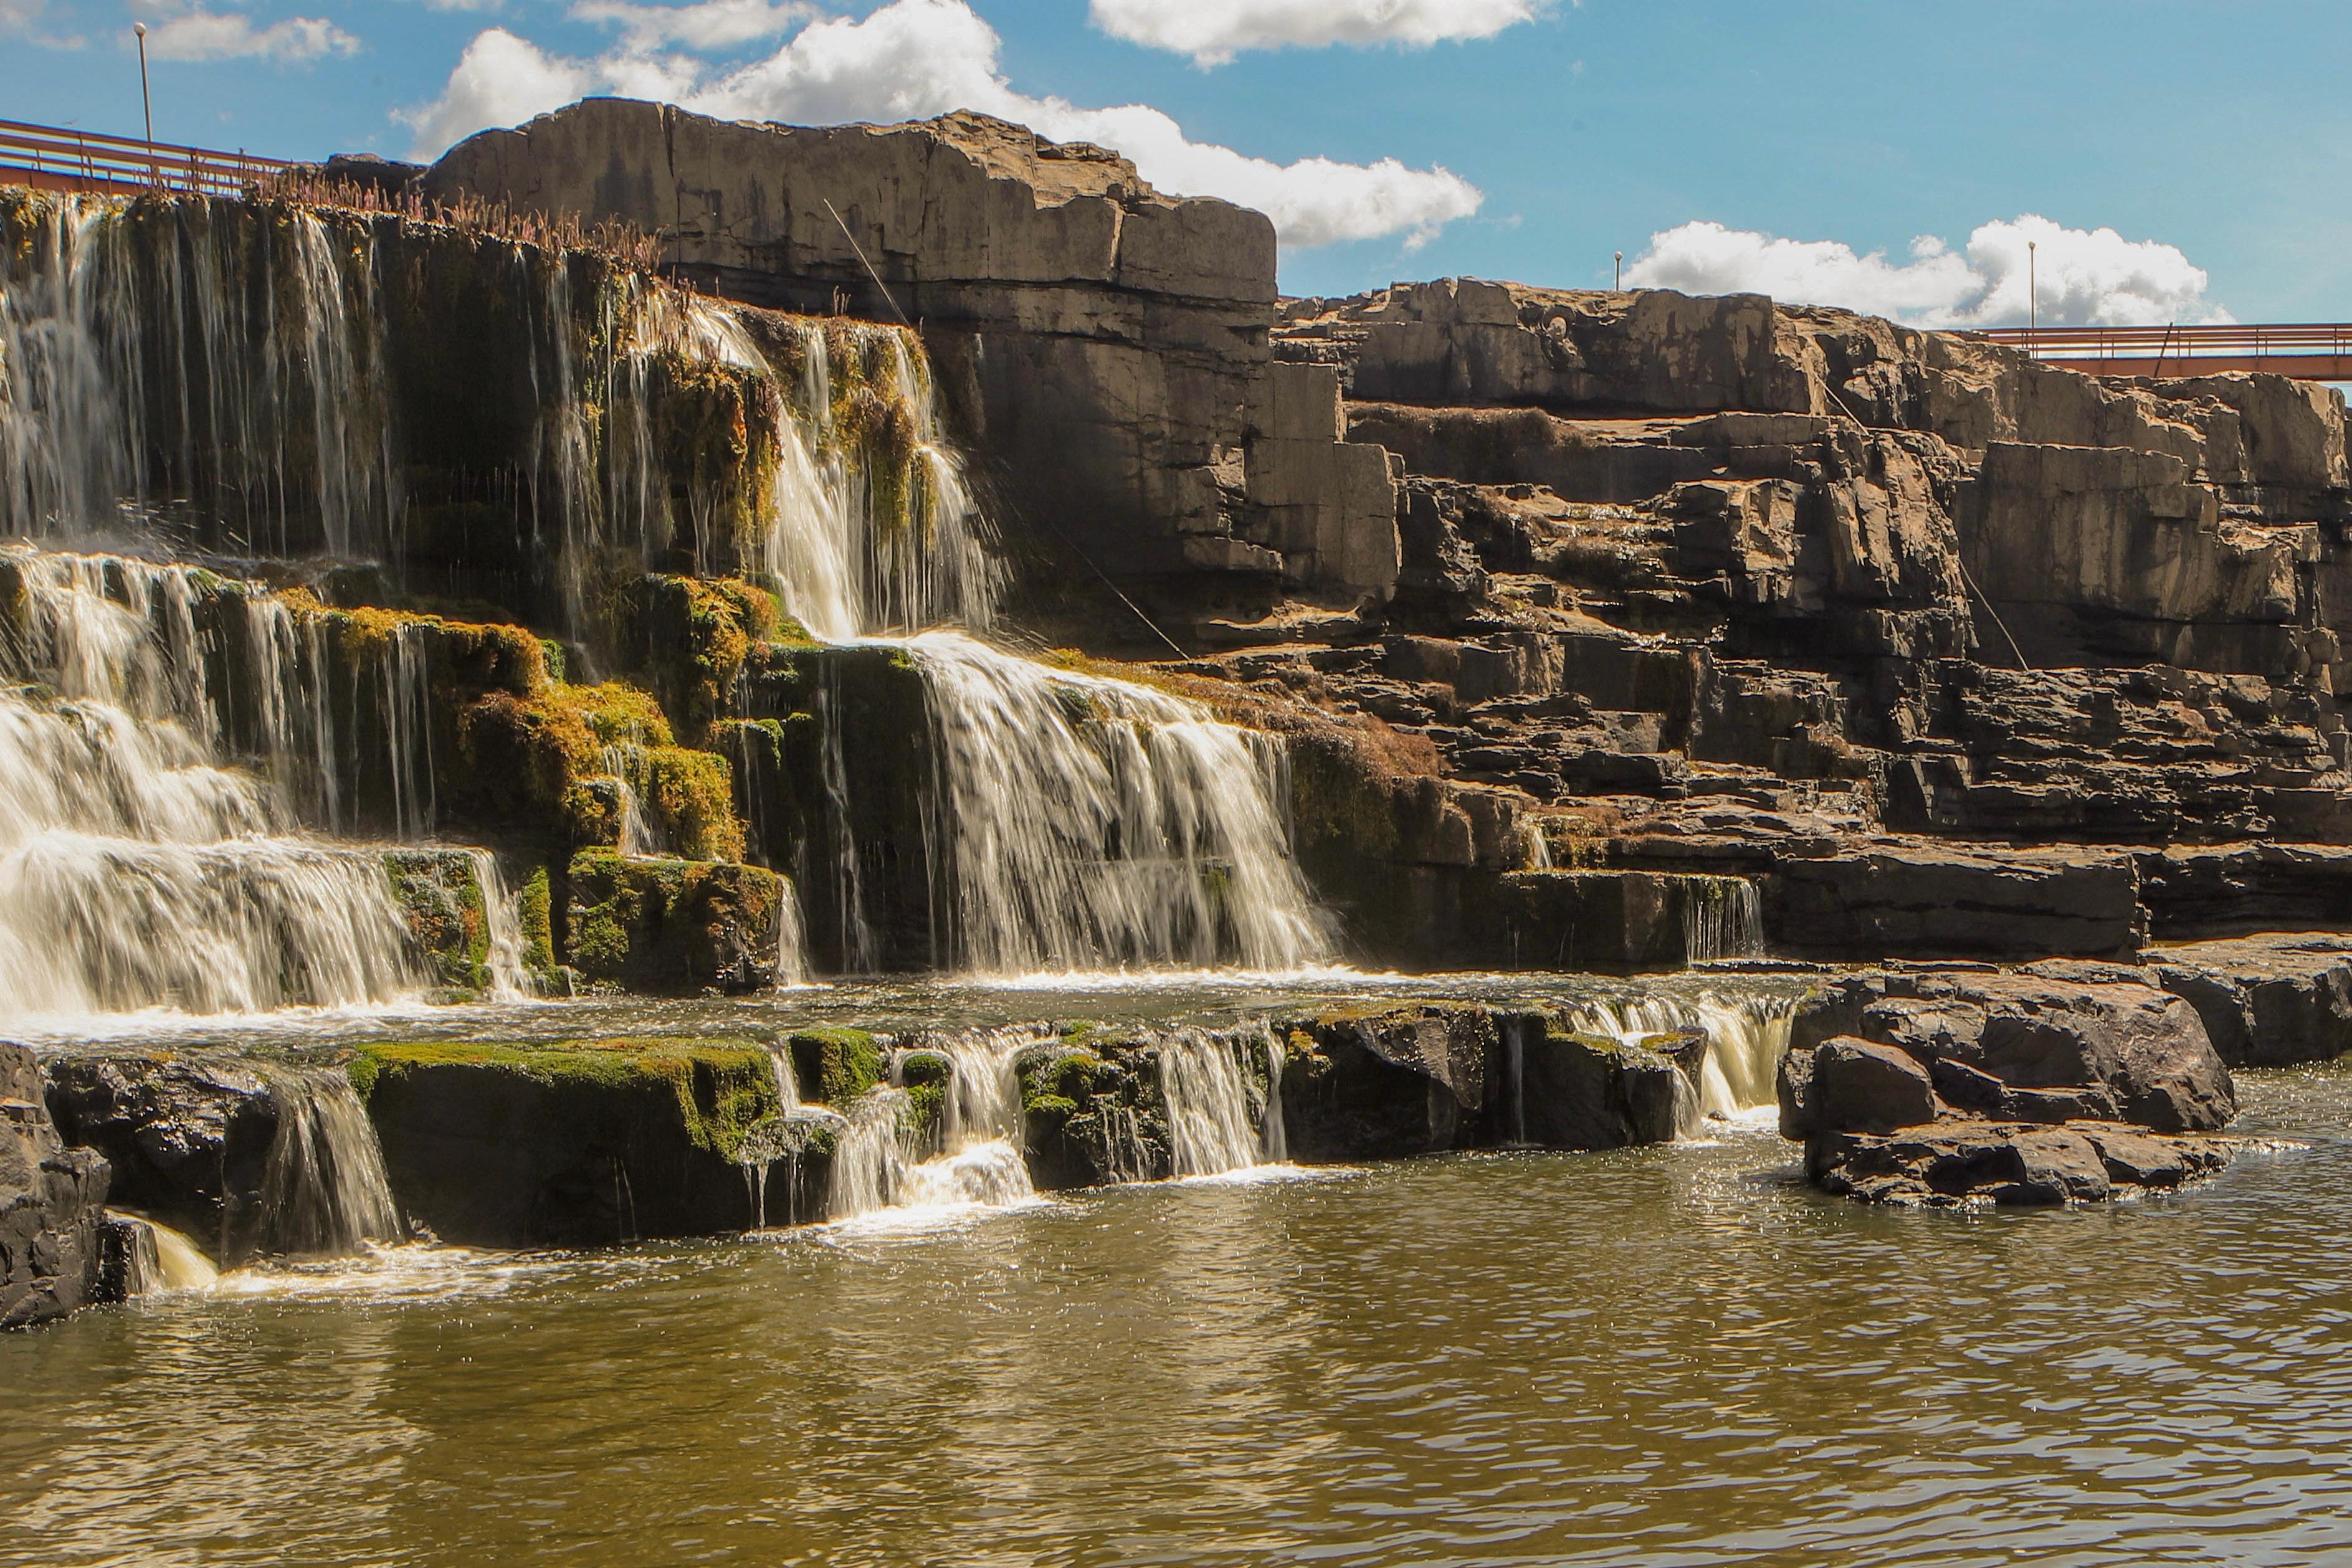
{"points": [[1104, 345], [2020, 1087], [52, 1205]]}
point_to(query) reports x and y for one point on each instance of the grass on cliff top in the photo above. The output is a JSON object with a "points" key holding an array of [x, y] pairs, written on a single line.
{"points": [[722, 1086]]}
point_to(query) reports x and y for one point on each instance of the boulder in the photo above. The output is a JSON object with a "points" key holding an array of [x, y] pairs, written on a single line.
{"points": [[2265, 1001], [1858, 1085], [1973, 1160], [52, 1205], [1953, 1084]]}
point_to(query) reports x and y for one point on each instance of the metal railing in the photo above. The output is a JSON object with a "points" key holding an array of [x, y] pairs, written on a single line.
{"points": [[59, 159], [2236, 340]]}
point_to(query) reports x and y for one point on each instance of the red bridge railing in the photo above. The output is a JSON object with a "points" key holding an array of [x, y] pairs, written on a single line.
{"points": [[52, 158], [2310, 350]]}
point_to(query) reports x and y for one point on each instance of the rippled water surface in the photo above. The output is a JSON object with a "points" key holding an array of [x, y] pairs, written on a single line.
{"points": [[1664, 1357]]}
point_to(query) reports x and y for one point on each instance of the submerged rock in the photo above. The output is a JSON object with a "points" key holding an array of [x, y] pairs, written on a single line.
{"points": [[1938, 1085]]}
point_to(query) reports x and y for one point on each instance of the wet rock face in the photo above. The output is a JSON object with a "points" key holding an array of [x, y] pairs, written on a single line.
{"points": [[1945, 1085], [189, 1140], [52, 1205]]}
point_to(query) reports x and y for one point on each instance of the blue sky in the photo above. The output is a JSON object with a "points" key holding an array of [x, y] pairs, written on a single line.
{"points": [[2211, 135]]}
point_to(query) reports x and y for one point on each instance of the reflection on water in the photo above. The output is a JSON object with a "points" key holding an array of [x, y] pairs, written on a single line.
{"points": [[1671, 1355]]}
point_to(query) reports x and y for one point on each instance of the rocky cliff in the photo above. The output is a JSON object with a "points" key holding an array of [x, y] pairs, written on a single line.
{"points": [[1104, 345], [1947, 652]]}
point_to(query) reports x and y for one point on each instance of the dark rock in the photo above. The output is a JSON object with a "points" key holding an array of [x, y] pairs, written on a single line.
{"points": [[52, 1205], [1862, 1087], [1965, 1160], [583, 1145], [2265, 1001], [188, 1138]]}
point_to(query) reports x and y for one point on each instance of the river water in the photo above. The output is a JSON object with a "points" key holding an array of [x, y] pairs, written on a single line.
{"points": [[1675, 1356]]}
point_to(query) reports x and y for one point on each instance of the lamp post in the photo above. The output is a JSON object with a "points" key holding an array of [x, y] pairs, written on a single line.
{"points": [[1621, 271], [2032, 300], [146, 102]]}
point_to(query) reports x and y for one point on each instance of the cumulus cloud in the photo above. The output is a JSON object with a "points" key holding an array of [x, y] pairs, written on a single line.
{"points": [[500, 79], [1214, 31], [186, 32], [2082, 277], [912, 58], [22, 18], [706, 24]]}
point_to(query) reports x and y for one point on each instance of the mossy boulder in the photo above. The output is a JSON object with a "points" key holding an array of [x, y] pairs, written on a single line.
{"points": [[835, 1067], [672, 926], [440, 896], [575, 1143]]}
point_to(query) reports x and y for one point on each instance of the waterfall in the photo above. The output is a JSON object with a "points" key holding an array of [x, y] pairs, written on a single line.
{"points": [[978, 1162], [1092, 823], [510, 978], [1745, 1042], [873, 528], [1204, 1079], [1722, 918], [137, 869], [324, 1190], [208, 365]]}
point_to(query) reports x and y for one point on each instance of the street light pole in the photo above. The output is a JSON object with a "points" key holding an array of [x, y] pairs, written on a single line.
{"points": [[2032, 300], [146, 102], [1621, 271]]}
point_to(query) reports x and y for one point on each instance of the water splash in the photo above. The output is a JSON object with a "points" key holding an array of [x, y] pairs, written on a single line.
{"points": [[879, 1173]]}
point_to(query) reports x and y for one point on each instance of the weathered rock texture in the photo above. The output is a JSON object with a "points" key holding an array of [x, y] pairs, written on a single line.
{"points": [[52, 1205], [1105, 345], [2020, 1087]]}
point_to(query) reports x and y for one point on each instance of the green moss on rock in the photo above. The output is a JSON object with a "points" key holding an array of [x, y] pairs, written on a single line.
{"points": [[837, 1066], [721, 1087]]}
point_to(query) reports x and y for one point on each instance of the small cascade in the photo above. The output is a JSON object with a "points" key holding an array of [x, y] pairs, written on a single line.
{"points": [[1204, 1079], [166, 1259], [510, 976], [1722, 918], [199, 365], [324, 1189], [1745, 1041], [407, 709], [1087, 823], [978, 1161], [623, 762], [873, 529]]}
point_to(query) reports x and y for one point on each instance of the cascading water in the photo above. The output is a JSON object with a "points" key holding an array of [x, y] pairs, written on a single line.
{"points": [[1745, 1041], [1088, 823], [136, 869], [978, 1162], [1205, 1081], [324, 1190], [192, 364], [1722, 918]]}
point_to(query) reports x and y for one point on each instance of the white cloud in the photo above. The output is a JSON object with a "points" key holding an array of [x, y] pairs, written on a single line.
{"points": [[22, 17], [914, 58], [705, 24], [2082, 277], [1214, 31], [500, 79], [188, 32]]}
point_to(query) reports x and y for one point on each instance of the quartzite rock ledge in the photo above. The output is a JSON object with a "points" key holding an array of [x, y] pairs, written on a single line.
{"points": [[1942, 1086], [1949, 653]]}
